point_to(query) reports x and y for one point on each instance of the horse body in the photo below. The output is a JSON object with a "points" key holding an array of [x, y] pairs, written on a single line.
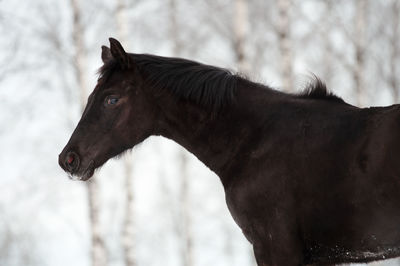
{"points": [[308, 178], [318, 186]]}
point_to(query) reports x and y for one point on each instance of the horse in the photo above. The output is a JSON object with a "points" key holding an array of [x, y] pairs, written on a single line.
{"points": [[309, 178]]}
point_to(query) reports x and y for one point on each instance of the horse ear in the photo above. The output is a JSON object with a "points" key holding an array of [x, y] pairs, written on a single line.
{"points": [[118, 52], [106, 55]]}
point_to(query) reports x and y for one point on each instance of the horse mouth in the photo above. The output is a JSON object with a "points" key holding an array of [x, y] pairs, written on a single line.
{"points": [[83, 174]]}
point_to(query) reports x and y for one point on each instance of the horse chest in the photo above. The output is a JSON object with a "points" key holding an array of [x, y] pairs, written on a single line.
{"points": [[251, 207], [240, 214]]}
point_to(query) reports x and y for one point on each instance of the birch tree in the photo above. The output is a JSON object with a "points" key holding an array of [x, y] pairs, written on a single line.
{"points": [[394, 42], [360, 50], [284, 42], [240, 32], [98, 250], [327, 61], [240, 25], [184, 198], [128, 230]]}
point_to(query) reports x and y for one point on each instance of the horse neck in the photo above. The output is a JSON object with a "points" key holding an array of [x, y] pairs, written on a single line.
{"points": [[213, 139]]}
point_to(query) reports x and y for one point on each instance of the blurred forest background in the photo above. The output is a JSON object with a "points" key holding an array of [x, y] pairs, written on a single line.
{"points": [[158, 205]]}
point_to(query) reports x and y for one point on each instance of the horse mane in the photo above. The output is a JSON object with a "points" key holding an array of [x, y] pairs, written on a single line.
{"points": [[316, 89], [206, 85]]}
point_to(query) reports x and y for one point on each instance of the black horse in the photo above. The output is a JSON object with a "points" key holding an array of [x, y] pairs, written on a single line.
{"points": [[308, 178]]}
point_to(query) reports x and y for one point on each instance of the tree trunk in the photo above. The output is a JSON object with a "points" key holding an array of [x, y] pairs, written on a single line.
{"points": [[174, 29], [360, 30], [128, 230], [187, 239], [327, 69], [240, 32], [98, 250], [284, 42], [184, 198], [80, 56], [122, 23], [395, 52]]}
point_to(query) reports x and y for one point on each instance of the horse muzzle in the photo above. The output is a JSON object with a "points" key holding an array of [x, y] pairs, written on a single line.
{"points": [[69, 161]]}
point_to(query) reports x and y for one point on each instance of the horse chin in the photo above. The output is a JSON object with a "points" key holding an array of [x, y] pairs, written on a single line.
{"points": [[88, 174], [85, 173]]}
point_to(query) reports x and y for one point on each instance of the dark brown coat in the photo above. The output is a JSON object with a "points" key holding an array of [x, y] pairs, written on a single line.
{"points": [[308, 178]]}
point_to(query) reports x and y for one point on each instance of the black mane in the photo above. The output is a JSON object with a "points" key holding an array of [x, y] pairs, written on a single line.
{"points": [[206, 85], [316, 89]]}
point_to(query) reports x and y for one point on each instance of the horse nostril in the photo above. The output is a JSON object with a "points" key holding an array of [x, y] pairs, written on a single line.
{"points": [[71, 161]]}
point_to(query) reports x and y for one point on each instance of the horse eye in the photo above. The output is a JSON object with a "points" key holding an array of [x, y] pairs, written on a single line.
{"points": [[112, 101]]}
